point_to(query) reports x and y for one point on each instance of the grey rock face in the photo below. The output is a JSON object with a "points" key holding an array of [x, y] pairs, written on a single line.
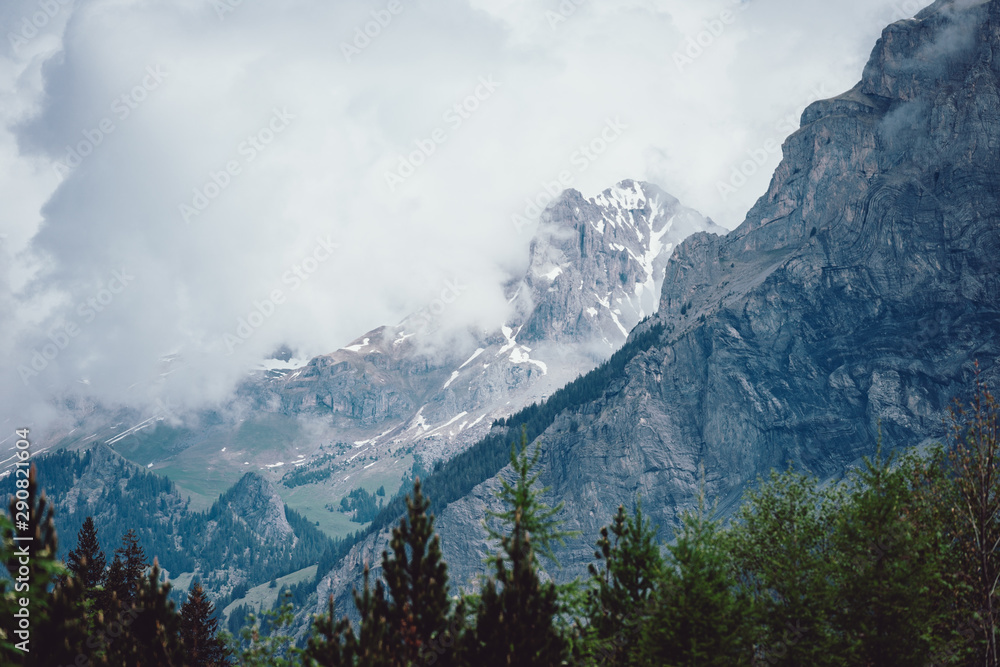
{"points": [[856, 297], [254, 501], [597, 265]]}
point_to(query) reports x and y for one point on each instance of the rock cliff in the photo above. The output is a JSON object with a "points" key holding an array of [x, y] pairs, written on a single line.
{"points": [[855, 298]]}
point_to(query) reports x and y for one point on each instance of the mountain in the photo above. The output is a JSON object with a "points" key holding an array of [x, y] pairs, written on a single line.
{"points": [[595, 270], [853, 303], [246, 538], [399, 398]]}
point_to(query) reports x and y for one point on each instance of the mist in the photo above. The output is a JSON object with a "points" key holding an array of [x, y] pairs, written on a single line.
{"points": [[189, 185]]}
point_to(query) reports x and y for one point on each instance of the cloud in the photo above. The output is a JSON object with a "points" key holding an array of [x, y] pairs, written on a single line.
{"points": [[168, 165]]}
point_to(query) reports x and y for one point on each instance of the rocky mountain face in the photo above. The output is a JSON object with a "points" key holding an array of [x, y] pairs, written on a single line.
{"points": [[255, 502], [595, 270], [855, 299], [597, 266], [407, 393]]}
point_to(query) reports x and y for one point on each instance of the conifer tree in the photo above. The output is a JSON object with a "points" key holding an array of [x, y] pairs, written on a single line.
{"points": [[782, 543], [621, 589], [416, 607], [515, 622], [125, 573], [147, 630], [87, 561], [116, 589], [525, 508], [371, 648], [405, 623], [133, 558], [331, 642], [199, 631], [698, 618]]}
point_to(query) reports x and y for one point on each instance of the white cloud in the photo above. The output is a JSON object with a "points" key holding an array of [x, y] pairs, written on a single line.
{"points": [[86, 76]]}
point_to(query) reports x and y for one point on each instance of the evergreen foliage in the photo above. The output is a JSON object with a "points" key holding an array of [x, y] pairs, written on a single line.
{"points": [[456, 477], [409, 620], [516, 619], [891, 566], [160, 524], [363, 504], [621, 588], [199, 631], [698, 616], [417, 608], [87, 561]]}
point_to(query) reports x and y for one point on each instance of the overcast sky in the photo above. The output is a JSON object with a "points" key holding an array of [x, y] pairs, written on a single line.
{"points": [[168, 167]]}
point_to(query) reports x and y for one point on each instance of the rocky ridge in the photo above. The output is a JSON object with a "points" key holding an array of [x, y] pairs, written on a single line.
{"points": [[595, 270], [854, 301]]}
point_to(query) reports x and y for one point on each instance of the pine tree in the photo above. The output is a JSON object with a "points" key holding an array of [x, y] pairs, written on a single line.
{"points": [[133, 558], [405, 622], [116, 588], [200, 631], [331, 642], [87, 562], [525, 508], [416, 577], [515, 622], [151, 626], [782, 543], [371, 646], [621, 589], [125, 573], [698, 618]]}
